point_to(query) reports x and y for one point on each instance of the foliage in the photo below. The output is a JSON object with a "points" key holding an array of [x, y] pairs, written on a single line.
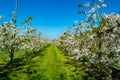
{"points": [[96, 47]]}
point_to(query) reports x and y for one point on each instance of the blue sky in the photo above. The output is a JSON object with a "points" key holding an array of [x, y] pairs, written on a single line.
{"points": [[49, 16]]}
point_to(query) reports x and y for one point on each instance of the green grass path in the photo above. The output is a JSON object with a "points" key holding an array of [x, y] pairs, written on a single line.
{"points": [[53, 65]]}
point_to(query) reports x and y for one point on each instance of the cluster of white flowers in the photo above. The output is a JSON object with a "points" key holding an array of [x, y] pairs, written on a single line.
{"points": [[112, 21], [91, 10], [33, 40], [104, 5], [8, 35], [1, 17], [101, 1], [12, 38], [87, 4], [86, 44]]}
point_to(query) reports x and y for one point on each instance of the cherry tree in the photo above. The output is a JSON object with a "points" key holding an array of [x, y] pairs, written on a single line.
{"points": [[95, 42], [9, 38]]}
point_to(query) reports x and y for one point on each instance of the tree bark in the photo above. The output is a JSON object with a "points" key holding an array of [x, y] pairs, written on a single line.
{"points": [[11, 56]]}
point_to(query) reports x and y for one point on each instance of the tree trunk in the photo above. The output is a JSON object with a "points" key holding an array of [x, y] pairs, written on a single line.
{"points": [[11, 56], [33, 50], [26, 53]]}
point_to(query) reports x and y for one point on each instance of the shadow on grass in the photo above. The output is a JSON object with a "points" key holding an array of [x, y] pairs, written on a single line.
{"points": [[18, 64], [11, 71], [5, 70]]}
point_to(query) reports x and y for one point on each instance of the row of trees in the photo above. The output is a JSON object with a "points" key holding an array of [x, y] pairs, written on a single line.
{"points": [[24, 37], [97, 48]]}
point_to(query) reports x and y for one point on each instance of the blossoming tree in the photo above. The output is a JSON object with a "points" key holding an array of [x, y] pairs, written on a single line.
{"points": [[95, 42]]}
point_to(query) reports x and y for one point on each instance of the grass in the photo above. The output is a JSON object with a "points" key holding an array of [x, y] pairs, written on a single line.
{"points": [[53, 64], [49, 64]]}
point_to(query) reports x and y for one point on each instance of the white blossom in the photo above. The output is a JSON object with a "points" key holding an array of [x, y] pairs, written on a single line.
{"points": [[87, 4], [92, 10], [1, 17], [118, 50], [98, 6], [76, 51], [101, 1], [104, 5], [76, 21], [94, 16]]}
